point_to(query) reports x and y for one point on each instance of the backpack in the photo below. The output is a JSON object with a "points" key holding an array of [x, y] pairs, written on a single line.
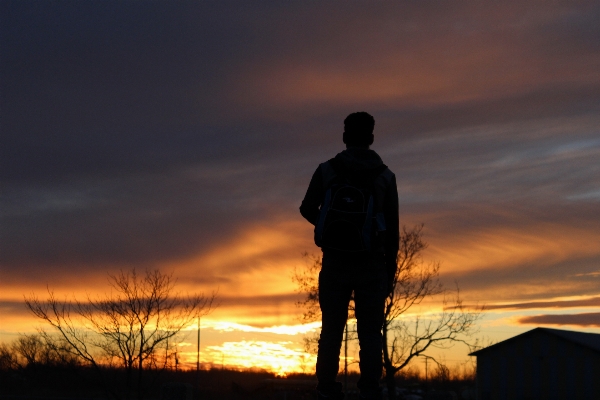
{"points": [[349, 219]]}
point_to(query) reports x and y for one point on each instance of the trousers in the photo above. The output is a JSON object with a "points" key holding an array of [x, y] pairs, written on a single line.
{"points": [[339, 277]]}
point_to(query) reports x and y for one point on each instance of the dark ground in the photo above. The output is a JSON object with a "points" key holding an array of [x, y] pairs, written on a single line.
{"points": [[80, 383]]}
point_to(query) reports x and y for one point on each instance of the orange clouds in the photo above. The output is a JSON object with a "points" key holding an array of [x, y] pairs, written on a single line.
{"points": [[503, 246], [512, 254], [417, 58], [269, 249]]}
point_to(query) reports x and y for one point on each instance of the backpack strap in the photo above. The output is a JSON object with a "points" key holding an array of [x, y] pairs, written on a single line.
{"points": [[380, 185]]}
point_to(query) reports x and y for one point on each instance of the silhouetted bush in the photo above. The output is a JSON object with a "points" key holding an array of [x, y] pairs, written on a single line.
{"points": [[34, 370]]}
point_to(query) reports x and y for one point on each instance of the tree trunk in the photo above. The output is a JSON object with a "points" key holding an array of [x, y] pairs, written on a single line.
{"points": [[390, 381], [139, 380], [128, 382]]}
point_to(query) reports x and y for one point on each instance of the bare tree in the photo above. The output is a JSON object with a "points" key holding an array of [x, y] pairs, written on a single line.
{"points": [[128, 327], [42, 348], [414, 282], [8, 359], [29, 349]]}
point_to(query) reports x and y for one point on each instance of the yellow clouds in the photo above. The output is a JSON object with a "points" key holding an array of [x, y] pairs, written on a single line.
{"points": [[279, 357], [227, 326], [234, 345]]}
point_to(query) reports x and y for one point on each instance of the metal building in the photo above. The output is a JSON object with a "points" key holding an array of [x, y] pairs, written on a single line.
{"points": [[540, 364]]}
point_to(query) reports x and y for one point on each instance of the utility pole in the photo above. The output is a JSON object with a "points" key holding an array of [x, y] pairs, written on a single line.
{"points": [[346, 361], [198, 356], [426, 377], [167, 356]]}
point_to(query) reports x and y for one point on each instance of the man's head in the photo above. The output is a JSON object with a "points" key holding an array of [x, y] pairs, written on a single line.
{"points": [[358, 129]]}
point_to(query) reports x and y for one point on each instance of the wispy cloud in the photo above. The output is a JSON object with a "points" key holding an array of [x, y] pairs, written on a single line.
{"points": [[589, 302], [227, 326], [578, 320]]}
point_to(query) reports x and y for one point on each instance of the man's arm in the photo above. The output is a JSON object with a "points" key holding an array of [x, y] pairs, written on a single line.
{"points": [[315, 193], [392, 223]]}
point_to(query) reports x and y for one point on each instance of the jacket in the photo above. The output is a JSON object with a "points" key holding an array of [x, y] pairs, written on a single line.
{"points": [[359, 163]]}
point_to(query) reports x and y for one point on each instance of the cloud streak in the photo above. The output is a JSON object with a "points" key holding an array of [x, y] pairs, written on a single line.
{"points": [[578, 320], [590, 302]]}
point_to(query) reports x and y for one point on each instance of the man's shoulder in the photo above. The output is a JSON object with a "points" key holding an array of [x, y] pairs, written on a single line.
{"points": [[388, 173]]}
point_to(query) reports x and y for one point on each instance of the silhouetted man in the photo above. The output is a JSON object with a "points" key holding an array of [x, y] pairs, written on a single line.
{"points": [[352, 200]]}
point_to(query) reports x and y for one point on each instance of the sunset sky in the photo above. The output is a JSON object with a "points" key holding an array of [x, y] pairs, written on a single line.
{"points": [[182, 136]]}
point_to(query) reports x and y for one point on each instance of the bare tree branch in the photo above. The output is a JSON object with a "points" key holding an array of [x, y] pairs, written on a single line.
{"points": [[414, 281], [129, 325]]}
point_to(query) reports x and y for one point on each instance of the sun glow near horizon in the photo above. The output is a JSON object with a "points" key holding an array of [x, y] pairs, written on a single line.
{"points": [[280, 357]]}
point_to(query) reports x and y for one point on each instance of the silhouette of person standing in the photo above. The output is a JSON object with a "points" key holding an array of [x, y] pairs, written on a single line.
{"points": [[352, 200]]}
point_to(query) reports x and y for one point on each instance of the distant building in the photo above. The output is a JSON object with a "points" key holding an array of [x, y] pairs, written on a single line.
{"points": [[540, 364]]}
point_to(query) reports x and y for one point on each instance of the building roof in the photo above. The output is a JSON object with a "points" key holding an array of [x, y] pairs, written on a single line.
{"points": [[589, 340]]}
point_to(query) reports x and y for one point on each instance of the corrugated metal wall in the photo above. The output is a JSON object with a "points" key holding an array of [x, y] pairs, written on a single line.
{"points": [[538, 366]]}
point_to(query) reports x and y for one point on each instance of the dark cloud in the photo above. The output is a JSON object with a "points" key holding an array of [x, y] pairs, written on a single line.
{"points": [[584, 319], [19, 307], [13, 308], [591, 302], [112, 87], [137, 134]]}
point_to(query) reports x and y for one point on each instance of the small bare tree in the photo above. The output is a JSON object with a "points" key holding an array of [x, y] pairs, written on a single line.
{"points": [[28, 349], [415, 281], [8, 359], [127, 327], [31, 350]]}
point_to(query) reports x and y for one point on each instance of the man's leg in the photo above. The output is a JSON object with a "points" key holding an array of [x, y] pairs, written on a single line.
{"points": [[334, 296], [369, 299]]}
